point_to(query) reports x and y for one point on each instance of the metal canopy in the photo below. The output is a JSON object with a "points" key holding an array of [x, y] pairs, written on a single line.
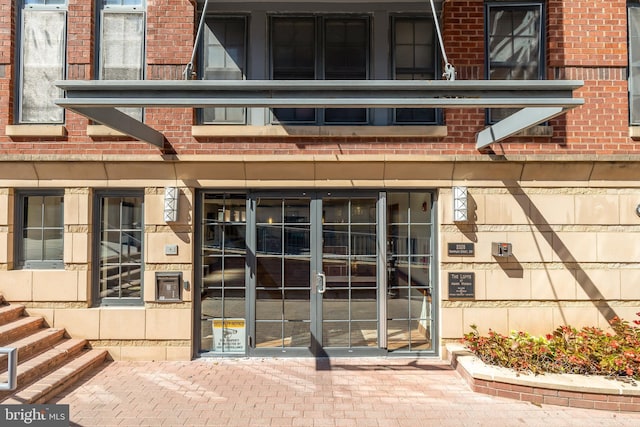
{"points": [[537, 100]]}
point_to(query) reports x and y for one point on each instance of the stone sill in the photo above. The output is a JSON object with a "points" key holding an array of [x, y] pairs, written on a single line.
{"points": [[283, 130], [55, 131], [634, 132], [581, 391], [102, 131]]}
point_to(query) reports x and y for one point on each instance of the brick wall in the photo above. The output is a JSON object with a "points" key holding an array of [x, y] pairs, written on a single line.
{"points": [[585, 40]]}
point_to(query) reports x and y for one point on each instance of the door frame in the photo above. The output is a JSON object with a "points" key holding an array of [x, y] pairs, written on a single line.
{"points": [[316, 348]]}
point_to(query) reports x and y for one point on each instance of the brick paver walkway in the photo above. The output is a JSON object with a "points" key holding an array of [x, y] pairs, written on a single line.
{"points": [[305, 392]]}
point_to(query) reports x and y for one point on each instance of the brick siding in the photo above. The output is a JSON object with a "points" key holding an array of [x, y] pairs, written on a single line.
{"points": [[585, 40]]}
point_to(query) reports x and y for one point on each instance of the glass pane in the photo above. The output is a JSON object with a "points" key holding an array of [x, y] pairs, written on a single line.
{"points": [[130, 281], [234, 306], [269, 211], [364, 334], [336, 272], [335, 334], [297, 273], [346, 57], [297, 334], [234, 268], [336, 239], [32, 245], [269, 239], [234, 238], [398, 235], [398, 204], [364, 273], [33, 211], [269, 334], [131, 213], [296, 305], [211, 272], [363, 239], [122, 50], [514, 41], [420, 335], [363, 211], [420, 239], [335, 211], [398, 304], [364, 304], [43, 53], [224, 59], [206, 335], [398, 335], [335, 305], [269, 272], [297, 240], [419, 273], [269, 305], [53, 211], [402, 271], [53, 244], [110, 247], [131, 246]]}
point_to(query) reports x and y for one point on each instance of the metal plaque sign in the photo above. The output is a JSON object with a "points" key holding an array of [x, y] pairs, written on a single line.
{"points": [[461, 249], [462, 285]]}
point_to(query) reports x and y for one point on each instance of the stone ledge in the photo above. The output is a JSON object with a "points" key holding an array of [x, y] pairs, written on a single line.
{"points": [[579, 391]]}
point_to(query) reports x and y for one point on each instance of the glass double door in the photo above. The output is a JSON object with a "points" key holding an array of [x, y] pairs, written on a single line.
{"points": [[314, 287]]}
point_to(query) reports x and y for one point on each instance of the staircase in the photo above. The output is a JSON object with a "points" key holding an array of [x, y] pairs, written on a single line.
{"points": [[48, 360]]}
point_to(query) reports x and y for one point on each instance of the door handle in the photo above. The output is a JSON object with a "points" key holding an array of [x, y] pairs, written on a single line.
{"points": [[322, 283]]}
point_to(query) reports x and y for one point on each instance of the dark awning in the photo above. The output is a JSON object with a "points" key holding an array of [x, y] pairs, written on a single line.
{"points": [[536, 100]]}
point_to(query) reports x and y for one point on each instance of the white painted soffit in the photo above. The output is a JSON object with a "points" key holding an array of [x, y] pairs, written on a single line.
{"points": [[536, 100]]}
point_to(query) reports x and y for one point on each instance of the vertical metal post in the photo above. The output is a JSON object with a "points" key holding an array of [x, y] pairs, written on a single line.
{"points": [[382, 269]]}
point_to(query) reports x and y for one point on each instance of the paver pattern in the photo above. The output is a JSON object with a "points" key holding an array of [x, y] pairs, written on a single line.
{"points": [[376, 392]]}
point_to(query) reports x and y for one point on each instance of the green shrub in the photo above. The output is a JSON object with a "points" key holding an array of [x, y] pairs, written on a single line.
{"points": [[589, 350]]}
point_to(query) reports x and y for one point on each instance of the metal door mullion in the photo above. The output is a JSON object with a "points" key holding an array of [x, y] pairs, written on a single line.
{"points": [[381, 241]]}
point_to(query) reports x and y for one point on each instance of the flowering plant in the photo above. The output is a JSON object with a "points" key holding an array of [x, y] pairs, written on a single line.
{"points": [[589, 350]]}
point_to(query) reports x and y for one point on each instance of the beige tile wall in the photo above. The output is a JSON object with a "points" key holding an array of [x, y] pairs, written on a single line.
{"points": [[574, 250]]}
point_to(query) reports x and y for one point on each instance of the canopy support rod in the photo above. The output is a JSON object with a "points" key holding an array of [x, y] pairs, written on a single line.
{"points": [[449, 70], [188, 70]]}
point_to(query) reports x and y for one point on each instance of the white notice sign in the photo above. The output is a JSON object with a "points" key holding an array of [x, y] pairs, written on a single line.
{"points": [[229, 335]]}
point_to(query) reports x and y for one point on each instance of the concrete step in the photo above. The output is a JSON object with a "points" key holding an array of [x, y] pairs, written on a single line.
{"points": [[33, 344], [33, 369], [19, 328], [64, 376], [9, 313]]}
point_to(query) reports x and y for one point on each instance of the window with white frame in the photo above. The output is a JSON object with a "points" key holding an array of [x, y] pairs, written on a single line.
{"points": [[39, 229], [514, 34], [122, 42], [224, 59], [43, 34], [329, 48], [414, 58], [634, 63]]}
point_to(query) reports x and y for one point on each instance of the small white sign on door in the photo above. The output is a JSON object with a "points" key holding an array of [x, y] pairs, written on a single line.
{"points": [[229, 335]]}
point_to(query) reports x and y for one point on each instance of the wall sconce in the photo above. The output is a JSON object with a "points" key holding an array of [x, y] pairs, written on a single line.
{"points": [[460, 210], [171, 204]]}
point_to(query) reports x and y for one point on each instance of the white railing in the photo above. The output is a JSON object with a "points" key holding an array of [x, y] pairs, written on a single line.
{"points": [[12, 368]]}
